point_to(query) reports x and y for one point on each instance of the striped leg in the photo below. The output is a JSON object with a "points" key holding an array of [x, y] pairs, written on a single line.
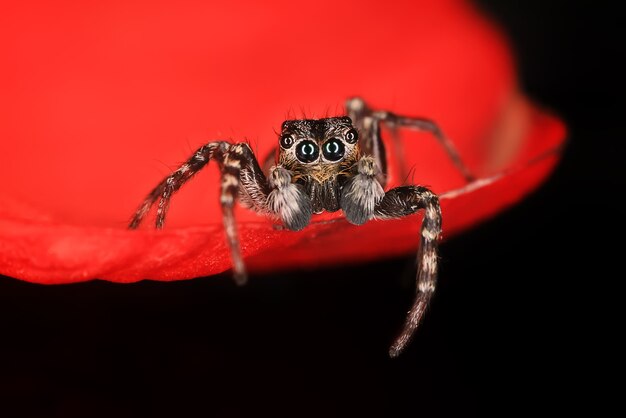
{"points": [[231, 172], [239, 167], [370, 142], [164, 190], [404, 201], [279, 197], [364, 117]]}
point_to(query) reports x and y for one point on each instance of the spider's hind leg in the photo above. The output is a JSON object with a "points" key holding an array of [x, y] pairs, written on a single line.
{"points": [[370, 141], [168, 186], [367, 121], [239, 170]]}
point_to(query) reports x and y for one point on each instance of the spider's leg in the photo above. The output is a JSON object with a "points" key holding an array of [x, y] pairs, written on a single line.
{"points": [[370, 142], [404, 201], [269, 161], [242, 177], [427, 125], [231, 168], [174, 181], [358, 109]]}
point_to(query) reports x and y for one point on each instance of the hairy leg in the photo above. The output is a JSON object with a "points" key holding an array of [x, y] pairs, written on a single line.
{"points": [[164, 190], [235, 161], [237, 157], [365, 118], [241, 177], [370, 142], [404, 201]]}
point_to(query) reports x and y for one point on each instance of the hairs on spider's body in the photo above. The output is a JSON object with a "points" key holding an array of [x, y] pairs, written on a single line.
{"points": [[329, 164]]}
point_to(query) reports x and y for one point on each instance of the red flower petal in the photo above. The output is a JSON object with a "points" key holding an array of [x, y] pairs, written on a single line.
{"points": [[97, 98]]}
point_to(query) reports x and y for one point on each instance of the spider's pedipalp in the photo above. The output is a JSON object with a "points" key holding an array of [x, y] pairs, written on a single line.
{"points": [[361, 192], [288, 200], [404, 201]]}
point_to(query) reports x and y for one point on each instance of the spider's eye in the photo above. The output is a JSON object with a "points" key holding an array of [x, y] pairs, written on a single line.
{"points": [[307, 151], [286, 141], [352, 136], [334, 149]]}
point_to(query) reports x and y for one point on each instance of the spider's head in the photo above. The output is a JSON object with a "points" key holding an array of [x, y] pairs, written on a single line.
{"points": [[319, 147]]}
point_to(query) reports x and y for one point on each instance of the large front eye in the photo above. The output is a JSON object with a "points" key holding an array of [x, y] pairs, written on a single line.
{"points": [[334, 149], [307, 151], [286, 141]]}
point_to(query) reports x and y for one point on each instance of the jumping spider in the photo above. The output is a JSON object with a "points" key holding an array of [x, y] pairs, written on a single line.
{"points": [[323, 165]]}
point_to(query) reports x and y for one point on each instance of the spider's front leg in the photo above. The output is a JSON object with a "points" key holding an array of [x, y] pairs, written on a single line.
{"points": [[401, 202], [278, 197], [363, 198], [235, 159]]}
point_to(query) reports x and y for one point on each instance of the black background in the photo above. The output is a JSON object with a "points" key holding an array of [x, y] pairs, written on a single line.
{"points": [[512, 328]]}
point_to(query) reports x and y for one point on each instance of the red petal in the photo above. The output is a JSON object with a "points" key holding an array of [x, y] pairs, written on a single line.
{"points": [[100, 102]]}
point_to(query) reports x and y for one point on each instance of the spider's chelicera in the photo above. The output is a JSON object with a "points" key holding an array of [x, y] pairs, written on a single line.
{"points": [[328, 164]]}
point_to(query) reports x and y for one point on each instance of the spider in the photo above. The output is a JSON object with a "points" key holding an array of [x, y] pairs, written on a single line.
{"points": [[323, 165]]}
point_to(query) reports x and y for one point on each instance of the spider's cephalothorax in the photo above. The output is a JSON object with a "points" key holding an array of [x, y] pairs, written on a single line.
{"points": [[322, 155], [325, 164]]}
